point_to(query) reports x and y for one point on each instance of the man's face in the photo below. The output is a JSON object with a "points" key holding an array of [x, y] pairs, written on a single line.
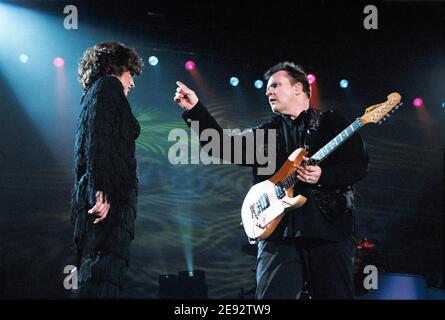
{"points": [[280, 91], [127, 81]]}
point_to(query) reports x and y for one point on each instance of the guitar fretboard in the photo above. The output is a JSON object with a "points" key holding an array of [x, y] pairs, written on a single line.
{"points": [[324, 152], [337, 141]]}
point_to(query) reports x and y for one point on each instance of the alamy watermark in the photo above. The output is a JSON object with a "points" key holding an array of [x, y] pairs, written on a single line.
{"points": [[249, 147], [371, 20], [71, 281], [71, 20], [371, 281]]}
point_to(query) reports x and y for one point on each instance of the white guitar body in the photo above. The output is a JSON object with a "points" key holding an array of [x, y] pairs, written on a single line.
{"points": [[264, 205], [259, 225]]}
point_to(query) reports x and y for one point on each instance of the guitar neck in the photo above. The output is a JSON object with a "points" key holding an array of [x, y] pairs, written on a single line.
{"points": [[324, 152]]}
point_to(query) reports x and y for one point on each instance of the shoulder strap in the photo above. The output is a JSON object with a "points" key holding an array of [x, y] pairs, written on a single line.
{"points": [[313, 119], [312, 125]]}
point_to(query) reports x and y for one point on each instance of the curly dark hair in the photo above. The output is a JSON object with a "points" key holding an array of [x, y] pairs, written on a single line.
{"points": [[295, 73], [107, 58]]}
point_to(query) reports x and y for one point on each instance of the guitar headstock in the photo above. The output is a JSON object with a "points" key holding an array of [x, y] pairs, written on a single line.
{"points": [[381, 111]]}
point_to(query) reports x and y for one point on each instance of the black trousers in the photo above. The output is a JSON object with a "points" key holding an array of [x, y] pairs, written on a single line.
{"points": [[284, 266]]}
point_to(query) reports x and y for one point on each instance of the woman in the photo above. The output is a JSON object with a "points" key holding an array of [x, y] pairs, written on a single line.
{"points": [[104, 197]]}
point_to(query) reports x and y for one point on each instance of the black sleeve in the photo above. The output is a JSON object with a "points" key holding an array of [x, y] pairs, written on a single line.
{"points": [[103, 150], [350, 162], [244, 148]]}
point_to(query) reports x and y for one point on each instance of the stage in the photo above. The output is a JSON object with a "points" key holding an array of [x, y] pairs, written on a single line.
{"points": [[188, 215]]}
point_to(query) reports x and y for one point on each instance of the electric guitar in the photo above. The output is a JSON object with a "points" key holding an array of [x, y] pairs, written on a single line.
{"points": [[266, 202]]}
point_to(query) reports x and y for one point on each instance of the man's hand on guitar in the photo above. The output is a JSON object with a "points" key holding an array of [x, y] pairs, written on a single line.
{"points": [[309, 174], [185, 97]]}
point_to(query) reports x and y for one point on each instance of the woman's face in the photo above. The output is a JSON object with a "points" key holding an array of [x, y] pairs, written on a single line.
{"points": [[127, 81]]}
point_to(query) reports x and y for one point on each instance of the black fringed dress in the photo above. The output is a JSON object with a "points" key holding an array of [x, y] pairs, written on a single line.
{"points": [[104, 160]]}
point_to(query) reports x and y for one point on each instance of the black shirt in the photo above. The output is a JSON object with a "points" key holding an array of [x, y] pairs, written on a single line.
{"points": [[294, 132]]}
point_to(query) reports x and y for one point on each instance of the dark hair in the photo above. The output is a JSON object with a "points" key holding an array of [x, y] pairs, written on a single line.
{"points": [[107, 58], [295, 73]]}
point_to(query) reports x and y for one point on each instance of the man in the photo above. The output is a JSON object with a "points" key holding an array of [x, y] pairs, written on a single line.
{"points": [[104, 198], [314, 243]]}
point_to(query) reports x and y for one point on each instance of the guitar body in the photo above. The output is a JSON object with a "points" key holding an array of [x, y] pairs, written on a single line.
{"points": [[259, 223]]}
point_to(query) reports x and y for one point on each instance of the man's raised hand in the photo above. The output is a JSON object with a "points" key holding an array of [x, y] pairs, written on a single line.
{"points": [[185, 97]]}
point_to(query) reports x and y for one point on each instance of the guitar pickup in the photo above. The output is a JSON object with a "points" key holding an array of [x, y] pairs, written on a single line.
{"points": [[280, 192], [264, 202]]}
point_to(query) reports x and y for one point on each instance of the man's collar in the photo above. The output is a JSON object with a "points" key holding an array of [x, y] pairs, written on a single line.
{"points": [[295, 121]]}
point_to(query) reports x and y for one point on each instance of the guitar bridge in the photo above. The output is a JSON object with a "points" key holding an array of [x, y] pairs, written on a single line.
{"points": [[258, 207]]}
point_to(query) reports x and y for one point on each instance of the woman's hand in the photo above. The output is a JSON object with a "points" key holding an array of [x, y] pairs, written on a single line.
{"points": [[101, 207]]}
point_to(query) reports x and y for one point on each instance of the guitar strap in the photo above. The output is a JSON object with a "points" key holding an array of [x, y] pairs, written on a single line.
{"points": [[312, 124]]}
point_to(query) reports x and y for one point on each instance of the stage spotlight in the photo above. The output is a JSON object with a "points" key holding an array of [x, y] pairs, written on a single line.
{"points": [[418, 102], [153, 60], [311, 78], [58, 62], [443, 104], [190, 65], [23, 58], [258, 84], [192, 284], [234, 81], [186, 285], [344, 83]]}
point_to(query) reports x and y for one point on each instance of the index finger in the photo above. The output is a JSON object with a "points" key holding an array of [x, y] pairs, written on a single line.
{"points": [[183, 87]]}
